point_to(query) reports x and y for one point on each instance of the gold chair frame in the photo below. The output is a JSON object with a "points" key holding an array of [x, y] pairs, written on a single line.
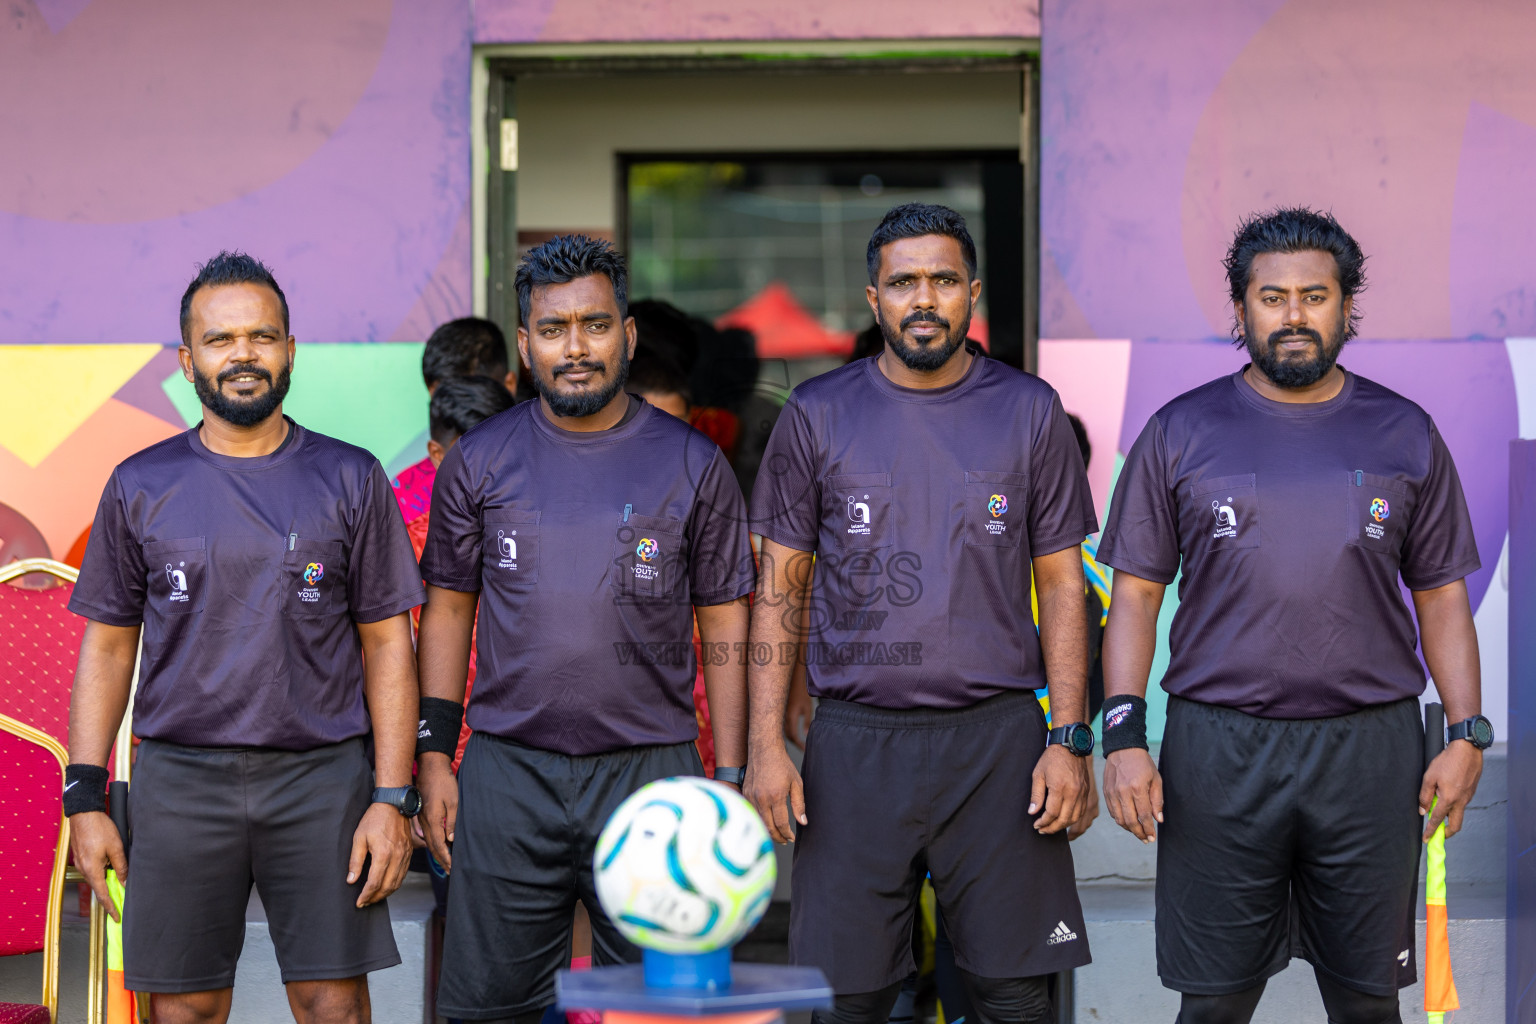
{"points": [[56, 877], [122, 765]]}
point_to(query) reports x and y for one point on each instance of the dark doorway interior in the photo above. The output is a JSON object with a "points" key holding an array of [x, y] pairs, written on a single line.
{"points": [[782, 237]]}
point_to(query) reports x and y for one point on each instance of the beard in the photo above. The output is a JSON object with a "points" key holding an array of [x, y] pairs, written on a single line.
{"points": [[238, 410], [1299, 371], [929, 357], [587, 401]]}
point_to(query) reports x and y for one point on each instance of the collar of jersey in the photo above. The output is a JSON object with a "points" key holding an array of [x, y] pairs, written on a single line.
{"points": [[1294, 410], [252, 463], [922, 395]]}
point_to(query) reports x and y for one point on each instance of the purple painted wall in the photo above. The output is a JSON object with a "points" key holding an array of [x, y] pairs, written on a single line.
{"points": [[330, 139], [573, 21]]}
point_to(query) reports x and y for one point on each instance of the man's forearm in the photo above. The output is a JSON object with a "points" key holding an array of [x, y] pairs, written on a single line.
{"points": [[1130, 638], [98, 699], [723, 630], [1064, 648], [1449, 638], [389, 671], [442, 644], [779, 607]]}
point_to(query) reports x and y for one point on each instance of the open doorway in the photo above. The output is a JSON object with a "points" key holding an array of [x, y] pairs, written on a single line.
{"points": [[776, 243]]}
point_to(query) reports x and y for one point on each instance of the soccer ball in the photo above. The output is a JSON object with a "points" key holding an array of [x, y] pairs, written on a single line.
{"points": [[684, 866]]}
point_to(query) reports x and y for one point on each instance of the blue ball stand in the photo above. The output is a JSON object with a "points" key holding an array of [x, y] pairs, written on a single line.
{"points": [[709, 971]]}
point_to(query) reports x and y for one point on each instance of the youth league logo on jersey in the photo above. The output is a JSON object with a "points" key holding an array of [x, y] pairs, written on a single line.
{"points": [[1226, 518], [997, 507], [313, 573], [1379, 510], [176, 576], [858, 515], [647, 551]]}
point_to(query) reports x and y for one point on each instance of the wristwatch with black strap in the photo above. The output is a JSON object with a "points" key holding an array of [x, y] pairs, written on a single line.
{"points": [[1077, 737], [1476, 730], [405, 799]]}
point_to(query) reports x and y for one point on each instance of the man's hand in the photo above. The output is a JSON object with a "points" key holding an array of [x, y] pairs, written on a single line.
{"points": [[774, 787], [439, 804], [1449, 783], [96, 846], [382, 835], [1133, 789], [1059, 789], [1090, 812]]}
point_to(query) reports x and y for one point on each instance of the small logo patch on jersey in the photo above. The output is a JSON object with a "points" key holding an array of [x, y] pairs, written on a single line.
{"points": [[314, 572], [1226, 518], [506, 547], [1061, 933], [647, 549], [858, 515], [997, 504], [178, 580], [1402, 958]]}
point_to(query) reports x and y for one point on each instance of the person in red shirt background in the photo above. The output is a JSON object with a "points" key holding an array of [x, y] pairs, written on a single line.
{"points": [[465, 347]]}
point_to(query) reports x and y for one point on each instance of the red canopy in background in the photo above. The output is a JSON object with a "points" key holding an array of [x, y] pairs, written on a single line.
{"points": [[784, 328], [787, 330]]}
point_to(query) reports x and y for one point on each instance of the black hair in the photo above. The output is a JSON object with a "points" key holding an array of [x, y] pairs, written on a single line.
{"points": [[868, 342], [914, 220], [229, 268], [1081, 433], [662, 328], [653, 372], [565, 258], [464, 347], [460, 403], [1294, 229]]}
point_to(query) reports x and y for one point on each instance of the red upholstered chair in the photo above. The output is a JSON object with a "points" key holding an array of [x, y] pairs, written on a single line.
{"points": [[34, 839], [39, 645]]}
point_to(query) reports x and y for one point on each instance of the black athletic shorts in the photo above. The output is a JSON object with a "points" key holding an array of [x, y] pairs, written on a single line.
{"points": [[1288, 837], [206, 823], [522, 856], [893, 795]]}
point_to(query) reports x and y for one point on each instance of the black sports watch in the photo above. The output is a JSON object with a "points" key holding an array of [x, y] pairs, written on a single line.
{"points": [[405, 799], [732, 775], [1476, 730], [1077, 737]]}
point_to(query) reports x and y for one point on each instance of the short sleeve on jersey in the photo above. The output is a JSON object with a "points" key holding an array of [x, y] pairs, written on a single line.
{"points": [[451, 557], [384, 580], [786, 499], [1061, 504], [1440, 547], [1141, 536], [111, 585], [721, 567]]}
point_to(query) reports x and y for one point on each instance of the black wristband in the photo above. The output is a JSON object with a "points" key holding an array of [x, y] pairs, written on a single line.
{"points": [[85, 788], [1125, 724], [441, 721]]}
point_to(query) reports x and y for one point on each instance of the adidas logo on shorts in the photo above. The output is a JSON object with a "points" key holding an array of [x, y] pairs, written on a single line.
{"points": [[1061, 933]]}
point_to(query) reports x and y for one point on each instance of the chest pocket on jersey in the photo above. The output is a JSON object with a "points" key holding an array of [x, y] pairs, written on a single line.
{"points": [[314, 582], [1225, 511], [649, 563], [510, 548], [857, 506], [995, 508], [178, 576], [1378, 513]]}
